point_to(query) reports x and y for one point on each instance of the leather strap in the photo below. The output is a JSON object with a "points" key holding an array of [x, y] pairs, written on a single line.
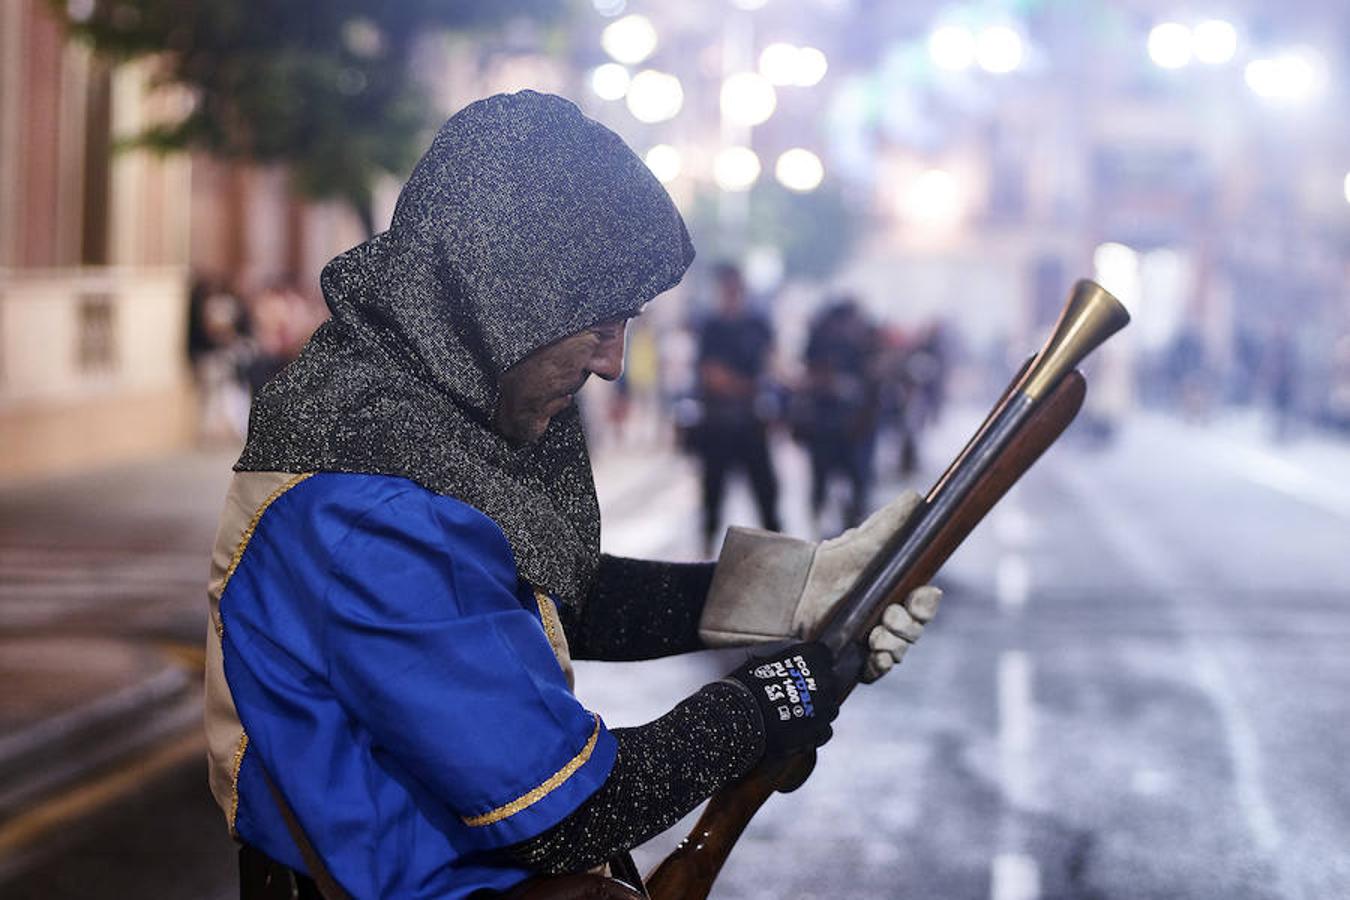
{"points": [[328, 885]]}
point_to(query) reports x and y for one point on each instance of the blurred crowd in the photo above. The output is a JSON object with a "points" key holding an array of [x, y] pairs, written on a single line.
{"points": [[236, 342], [855, 395]]}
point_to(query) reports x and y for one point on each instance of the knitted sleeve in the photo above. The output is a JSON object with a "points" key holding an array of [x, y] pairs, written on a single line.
{"points": [[663, 770], [639, 609]]}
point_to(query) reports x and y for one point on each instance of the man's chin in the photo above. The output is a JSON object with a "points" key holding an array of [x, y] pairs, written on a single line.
{"points": [[525, 431]]}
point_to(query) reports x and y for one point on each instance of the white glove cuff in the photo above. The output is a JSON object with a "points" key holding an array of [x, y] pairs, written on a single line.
{"points": [[755, 589]]}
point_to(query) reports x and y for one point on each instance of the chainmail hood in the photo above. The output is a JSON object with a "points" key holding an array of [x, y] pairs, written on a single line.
{"points": [[525, 222]]}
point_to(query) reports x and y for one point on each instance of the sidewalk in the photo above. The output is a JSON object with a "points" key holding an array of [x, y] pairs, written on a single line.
{"points": [[102, 608]]}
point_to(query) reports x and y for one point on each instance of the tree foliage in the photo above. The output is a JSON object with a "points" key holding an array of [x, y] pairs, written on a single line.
{"points": [[814, 231], [323, 86]]}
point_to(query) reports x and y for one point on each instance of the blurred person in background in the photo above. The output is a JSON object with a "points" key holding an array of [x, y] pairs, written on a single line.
{"points": [[835, 412], [904, 369], [219, 350], [409, 560], [1279, 369], [1188, 374], [735, 344]]}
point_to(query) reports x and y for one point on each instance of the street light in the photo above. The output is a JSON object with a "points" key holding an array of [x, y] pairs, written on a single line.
{"points": [[736, 169], [748, 98], [629, 40], [799, 170], [952, 47], [998, 49], [654, 96], [665, 163], [1169, 45], [610, 81], [1214, 42]]}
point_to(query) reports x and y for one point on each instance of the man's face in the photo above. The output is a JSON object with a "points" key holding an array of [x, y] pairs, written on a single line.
{"points": [[541, 385]]}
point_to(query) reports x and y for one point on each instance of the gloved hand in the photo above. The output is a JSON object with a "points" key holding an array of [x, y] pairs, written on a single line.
{"points": [[796, 694], [770, 587]]}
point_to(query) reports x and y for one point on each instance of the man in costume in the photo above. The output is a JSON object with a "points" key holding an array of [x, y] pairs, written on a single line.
{"points": [[409, 554]]}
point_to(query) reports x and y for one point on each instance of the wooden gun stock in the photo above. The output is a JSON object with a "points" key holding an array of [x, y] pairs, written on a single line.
{"points": [[689, 871]]}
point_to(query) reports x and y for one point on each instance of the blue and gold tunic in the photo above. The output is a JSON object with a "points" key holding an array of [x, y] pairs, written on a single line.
{"points": [[375, 652]]}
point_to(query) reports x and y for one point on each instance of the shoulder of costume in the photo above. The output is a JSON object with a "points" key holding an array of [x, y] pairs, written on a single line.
{"points": [[375, 498]]}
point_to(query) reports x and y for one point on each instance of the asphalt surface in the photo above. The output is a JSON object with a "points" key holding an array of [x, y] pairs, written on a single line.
{"points": [[1136, 687]]}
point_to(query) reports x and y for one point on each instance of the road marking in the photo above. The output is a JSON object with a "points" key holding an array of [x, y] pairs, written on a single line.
{"points": [[1015, 877], [1153, 562], [1245, 749], [31, 826], [1015, 874], [1012, 525], [1016, 726], [1287, 478], [1012, 582]]}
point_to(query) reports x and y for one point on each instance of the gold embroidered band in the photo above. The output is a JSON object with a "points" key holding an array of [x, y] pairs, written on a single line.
{"points": [[220, 627], [525, 800]]}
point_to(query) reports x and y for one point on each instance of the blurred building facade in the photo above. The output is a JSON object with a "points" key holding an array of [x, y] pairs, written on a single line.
{"points": [[93, 250], [98, 248]]}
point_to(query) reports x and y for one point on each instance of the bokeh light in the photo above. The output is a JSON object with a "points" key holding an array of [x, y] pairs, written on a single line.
{"points": [[799, 170], [1347, 187], [748, 98], [1214, 42], [998, 49], [629, 40], [952, 47], [934, 199], [812, 64], [1294, 76], [610, 7], [610, 81], [1116, 268], [655, 96], [778, 63], [1169, 45], [665, 162], [736, 169]]}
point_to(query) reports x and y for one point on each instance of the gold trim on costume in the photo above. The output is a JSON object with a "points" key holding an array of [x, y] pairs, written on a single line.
{"points": [[234, 779], [529, 799], [244, 539], [546, 618], [253, 526]]}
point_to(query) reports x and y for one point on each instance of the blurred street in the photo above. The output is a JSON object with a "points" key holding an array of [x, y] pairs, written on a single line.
{"points": [[1135, 689]]}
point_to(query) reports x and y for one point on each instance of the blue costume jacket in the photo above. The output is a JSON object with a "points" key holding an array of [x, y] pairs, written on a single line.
{"points": [[398, 681]]}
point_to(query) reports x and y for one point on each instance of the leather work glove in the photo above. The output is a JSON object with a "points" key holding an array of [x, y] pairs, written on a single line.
{"points": [[771, 587], [796, 694]]}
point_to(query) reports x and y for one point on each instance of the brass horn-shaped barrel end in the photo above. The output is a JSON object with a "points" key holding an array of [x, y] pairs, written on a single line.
{"points": [[1090, 317]]}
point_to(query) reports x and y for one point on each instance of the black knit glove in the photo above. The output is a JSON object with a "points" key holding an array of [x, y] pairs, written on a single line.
{"points": [[796, 694]]}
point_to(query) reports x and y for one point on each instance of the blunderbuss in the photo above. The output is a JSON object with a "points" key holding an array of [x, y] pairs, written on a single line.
{"points": [[1035, 409]]}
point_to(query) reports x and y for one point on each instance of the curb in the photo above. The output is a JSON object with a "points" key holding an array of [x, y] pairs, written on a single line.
{"points": [[58, 750]]}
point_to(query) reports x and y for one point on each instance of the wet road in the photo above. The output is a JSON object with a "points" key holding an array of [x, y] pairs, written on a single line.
{"points": [[1136, 688]]}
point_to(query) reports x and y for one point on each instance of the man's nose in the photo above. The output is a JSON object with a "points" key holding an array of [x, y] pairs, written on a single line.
{"points": [[607, 361]]}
